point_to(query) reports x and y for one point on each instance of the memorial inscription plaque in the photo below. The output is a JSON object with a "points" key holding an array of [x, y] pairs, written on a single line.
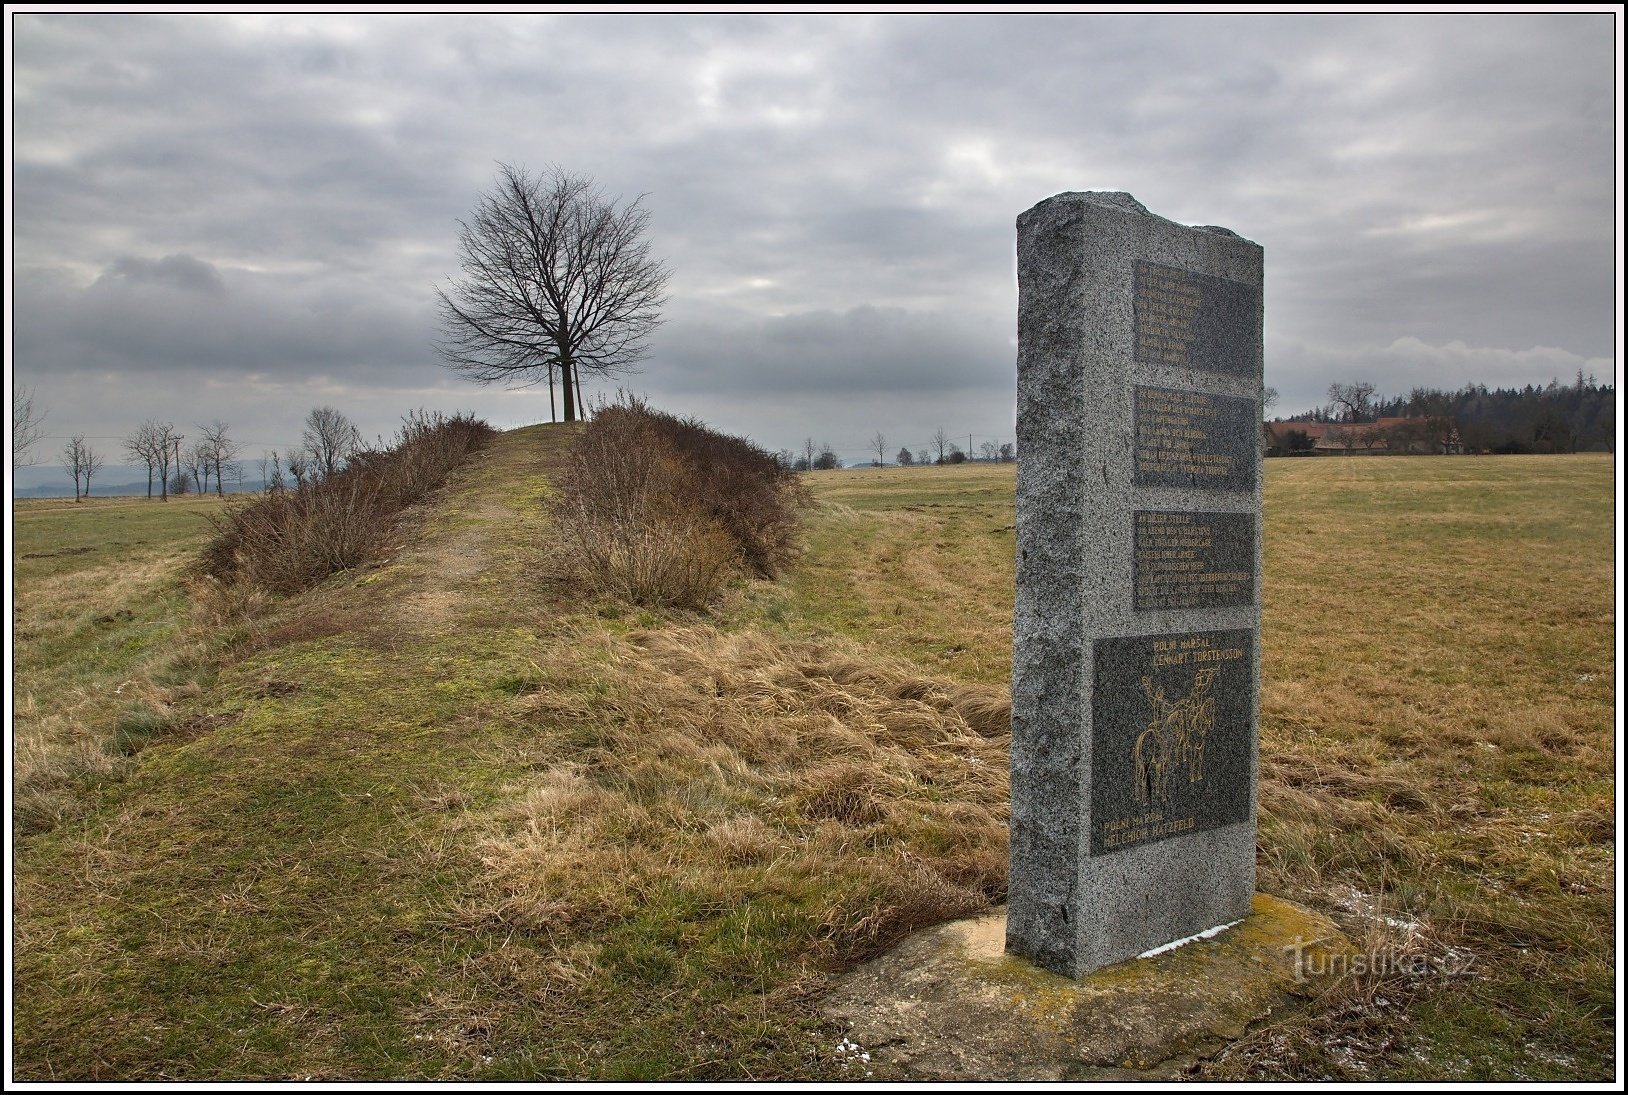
{"points": [[1195, 439], [1194, 559], [1195, 321], [1135, 656]]}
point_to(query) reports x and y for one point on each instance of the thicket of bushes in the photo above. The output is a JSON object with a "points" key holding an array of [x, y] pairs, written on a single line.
{"points": [[661, 510], [292, 537]]}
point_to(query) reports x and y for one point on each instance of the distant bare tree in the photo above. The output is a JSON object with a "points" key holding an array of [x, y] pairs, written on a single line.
{"points": [[330, 438], [988, 450], [165, 445], [924, 457], [1008, 452], [905, 458], [879, 444], [941, 442], [198, 465], [146, 447], [93, 464], [222, 451], [73, 461], [557, 279], [299, 466], [1351, 402], [27, 425], [828, 460], [82, 462], [809, 452]]}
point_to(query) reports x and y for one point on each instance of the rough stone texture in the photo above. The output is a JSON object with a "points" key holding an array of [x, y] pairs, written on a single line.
{"points": [[949, 1005], [1139, 380]]}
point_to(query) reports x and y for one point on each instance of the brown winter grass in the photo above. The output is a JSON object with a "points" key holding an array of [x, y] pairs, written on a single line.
{"points": [[100, 652], [446, 817], [1436, 734]]}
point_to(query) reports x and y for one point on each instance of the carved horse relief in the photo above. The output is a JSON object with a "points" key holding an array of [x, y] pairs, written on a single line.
{"points": [[1174, 737]]}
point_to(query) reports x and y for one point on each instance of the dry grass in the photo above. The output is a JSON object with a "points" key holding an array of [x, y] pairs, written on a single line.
{"points": [[451, 823], [724, 766], [1436, 725]]}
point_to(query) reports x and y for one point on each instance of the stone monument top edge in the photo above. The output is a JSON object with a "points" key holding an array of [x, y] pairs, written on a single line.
{"points": [[1124, 202]]}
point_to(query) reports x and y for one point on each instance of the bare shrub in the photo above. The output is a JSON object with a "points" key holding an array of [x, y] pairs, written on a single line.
{"points": [[290, 539], [661, 510]]}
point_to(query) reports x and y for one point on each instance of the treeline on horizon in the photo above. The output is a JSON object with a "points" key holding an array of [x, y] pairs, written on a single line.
{"points": [[1552, 418]]}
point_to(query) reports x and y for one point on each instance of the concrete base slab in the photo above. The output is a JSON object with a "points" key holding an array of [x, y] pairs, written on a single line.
{"points": [[949, 1004]]}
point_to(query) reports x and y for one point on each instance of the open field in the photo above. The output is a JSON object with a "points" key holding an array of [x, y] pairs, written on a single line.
{"points": [[442, 817], [99, 617]]}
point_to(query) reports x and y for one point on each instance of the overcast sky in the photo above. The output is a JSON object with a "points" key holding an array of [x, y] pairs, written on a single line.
{"points": [[243, 216]]}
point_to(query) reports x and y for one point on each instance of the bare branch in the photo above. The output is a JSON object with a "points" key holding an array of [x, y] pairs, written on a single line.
{"points": [[27, 426]]}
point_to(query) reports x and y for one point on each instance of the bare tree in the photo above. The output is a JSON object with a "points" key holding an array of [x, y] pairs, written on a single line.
{"points": [[879, 444], [809, 453], [73, 461], [330, 439], [1008, 452], [924, 457], [82, 462], [27, 425], [989, 450], [1351, 402], [145, 448], [828, 460], [905, 458], [93, 464], [299, 466], [198, 465], [557, 278], [941, 442], [221, 450], [161, 440]]}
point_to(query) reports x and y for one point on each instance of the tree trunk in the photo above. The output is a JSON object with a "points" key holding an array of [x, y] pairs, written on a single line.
{"points": [[552, 417], [565, 378]]}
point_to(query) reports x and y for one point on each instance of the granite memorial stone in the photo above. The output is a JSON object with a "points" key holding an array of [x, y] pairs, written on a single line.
{"points": [[1135, 677]]}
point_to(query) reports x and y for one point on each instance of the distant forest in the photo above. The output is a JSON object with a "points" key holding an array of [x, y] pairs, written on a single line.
{"points": [[1577, 417]]}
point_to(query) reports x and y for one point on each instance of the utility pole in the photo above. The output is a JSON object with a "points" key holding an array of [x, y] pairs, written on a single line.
{"points": [[178, 438]]}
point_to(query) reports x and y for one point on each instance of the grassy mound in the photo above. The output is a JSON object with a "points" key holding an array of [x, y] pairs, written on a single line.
{"points": [[661, 510]]}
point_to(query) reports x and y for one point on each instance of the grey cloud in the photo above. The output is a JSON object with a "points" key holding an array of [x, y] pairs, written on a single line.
{"points": [[150, 321], [174, 271], [836, 193], [862, 351]]}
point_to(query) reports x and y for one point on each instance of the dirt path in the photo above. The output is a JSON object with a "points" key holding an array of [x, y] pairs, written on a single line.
{"points": [[483, 539]]}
